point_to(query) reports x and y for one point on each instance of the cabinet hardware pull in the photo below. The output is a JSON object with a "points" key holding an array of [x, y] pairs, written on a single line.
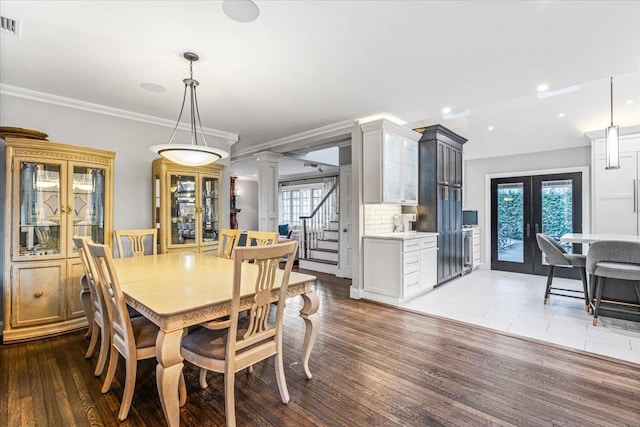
{"points": [[445, 193], [69, 209], [63, 209], [37, 294]]}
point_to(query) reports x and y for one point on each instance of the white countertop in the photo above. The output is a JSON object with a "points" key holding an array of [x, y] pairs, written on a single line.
{"points": [[402, 235]]}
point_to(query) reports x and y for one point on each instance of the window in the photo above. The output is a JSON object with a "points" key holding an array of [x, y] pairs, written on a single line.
{"points": [[297, 200]]}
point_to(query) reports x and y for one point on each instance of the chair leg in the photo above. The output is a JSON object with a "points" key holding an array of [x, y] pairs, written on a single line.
{"points": [[105, 340], [229, 398], [93, 333], [182, 390], [282, 381], [111, 370], [549, 281], [203, 378], [583, 274], [129, 388], [599, 286]]}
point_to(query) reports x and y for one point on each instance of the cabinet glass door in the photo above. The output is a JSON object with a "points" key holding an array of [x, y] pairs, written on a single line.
{"points": [[183, 209], [410, 171], [210, 209], [41, 206], [392, 168], [86, 200]]}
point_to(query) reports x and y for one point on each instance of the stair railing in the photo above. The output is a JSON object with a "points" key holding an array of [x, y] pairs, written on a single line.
{"points": [[314, 224]]}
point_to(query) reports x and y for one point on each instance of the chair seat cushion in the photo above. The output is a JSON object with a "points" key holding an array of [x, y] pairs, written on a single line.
{"points": [[576, 260], [211, 343], [144, 332], [617, 270]]}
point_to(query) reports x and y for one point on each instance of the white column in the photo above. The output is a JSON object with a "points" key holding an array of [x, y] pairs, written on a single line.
{"points": [[268, 191]]}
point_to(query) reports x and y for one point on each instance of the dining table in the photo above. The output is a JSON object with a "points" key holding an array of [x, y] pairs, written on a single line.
{"points": [[597, 237], [182, 289]]}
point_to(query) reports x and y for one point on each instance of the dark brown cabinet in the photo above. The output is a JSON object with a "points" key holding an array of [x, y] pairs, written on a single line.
{"points": [[440, 196]]}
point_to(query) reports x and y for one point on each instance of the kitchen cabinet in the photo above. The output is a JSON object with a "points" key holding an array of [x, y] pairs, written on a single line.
{"points": [[440, 196], [615, 201], [399, 266], [476, 247], [187, 206], [390, 163], [53, 191]]}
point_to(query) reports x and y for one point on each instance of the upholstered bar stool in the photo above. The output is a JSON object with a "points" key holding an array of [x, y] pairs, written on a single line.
{"points": [[557, 256], [613, 260]]}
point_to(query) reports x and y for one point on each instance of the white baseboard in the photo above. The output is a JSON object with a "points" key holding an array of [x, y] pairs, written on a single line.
{"points": [[356, 293]]}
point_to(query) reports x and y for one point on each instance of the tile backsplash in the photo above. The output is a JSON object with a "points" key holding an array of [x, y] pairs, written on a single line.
{"points": [[378, 218]]}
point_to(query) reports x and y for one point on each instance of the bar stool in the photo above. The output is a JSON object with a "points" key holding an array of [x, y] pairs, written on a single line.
{"points": [[613, 260]]}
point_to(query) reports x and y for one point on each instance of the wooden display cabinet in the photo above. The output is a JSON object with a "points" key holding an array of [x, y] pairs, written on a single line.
{"points": [[53, 192], [186, 206]]}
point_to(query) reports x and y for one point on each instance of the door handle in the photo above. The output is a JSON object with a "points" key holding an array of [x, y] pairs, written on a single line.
{"points": [[528, 230], [344, 230], [537, 229]]}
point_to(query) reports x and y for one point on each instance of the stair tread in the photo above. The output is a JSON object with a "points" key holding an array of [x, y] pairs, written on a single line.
{"points": [[329, 240], [321, 261], [324, 250]]}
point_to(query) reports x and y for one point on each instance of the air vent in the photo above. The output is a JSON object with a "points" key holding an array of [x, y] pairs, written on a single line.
{"points": [[10, 25]]}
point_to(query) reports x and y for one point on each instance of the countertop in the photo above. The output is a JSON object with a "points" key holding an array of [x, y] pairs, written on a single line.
{"points": [[402, 236]]}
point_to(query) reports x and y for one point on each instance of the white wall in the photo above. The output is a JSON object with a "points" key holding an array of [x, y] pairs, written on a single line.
{"points": [[475, 172], [247, 201]]}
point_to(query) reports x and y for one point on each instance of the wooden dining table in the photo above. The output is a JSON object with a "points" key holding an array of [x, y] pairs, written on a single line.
{"points": [[178, 290]]}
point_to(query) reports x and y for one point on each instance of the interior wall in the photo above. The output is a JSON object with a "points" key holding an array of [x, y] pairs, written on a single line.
{"points": [[247, 202], [475, 172]]}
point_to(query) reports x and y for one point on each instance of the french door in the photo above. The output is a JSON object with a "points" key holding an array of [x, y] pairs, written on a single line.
{"points": [[525, 205]]}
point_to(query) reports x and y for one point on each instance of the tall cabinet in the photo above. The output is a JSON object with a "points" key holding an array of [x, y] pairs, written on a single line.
{"points": [[186, 206], [615, 204], [52, 192], [440, 196]]}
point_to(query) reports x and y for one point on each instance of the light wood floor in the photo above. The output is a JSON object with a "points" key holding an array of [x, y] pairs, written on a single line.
{"points": [[373, 366]]}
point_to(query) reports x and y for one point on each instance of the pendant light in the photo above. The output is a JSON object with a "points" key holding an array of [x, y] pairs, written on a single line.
{"points": [[193, 154], [613, 143]]}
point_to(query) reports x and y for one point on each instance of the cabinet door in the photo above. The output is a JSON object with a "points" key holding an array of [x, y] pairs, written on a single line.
{"points": [[39, 204], [37, 293], [455, 167], [616, 196], [182, 208], [443, 155], [409, 171], [86, 204], [392, 147], [73, 288], [428, 268], [209, 218]]}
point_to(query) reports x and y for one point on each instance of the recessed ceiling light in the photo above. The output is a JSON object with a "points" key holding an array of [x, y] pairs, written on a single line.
{"points": [[630, 101], [152, 87], [241, 10], [446, 110], [561, 115], [490, 128], [543, 87], [456, 115]]}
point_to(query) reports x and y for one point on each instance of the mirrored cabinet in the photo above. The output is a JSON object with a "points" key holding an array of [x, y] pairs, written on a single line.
{"points": [[186, 207], [53, 192]]}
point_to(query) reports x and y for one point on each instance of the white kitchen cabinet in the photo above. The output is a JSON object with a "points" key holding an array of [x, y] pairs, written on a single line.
{"points": [[390, 163], [476, 247], [399, 266], [615, 201]]}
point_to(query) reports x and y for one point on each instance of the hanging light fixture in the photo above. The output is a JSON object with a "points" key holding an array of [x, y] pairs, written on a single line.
{"points": [[613, 143], [193, 154]]}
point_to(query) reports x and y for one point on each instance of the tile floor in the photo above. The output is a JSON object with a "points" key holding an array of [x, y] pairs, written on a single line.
{"points": [[513, 303]]}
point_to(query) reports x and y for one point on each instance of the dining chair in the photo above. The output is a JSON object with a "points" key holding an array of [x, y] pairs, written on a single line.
{"points": [[557, 256], [137, 242], [252, 338], [133, 338], [262, 238], [227, 242], [613, 259], [99, 322]]}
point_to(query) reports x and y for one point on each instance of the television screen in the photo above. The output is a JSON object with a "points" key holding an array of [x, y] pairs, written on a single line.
{"points": [[469, 218]]}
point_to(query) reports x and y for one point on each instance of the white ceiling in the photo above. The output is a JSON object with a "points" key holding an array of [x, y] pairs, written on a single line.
{"points": [[305, 64]]}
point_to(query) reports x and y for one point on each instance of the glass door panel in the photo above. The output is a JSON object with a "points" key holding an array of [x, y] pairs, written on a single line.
{"points": [[183, 209], [210, 209], [510, 222], [87, 200], [410, 170], [392, 168], [41, 208]]}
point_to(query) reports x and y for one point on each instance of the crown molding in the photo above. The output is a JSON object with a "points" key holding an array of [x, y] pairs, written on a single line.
{"points": [[47, 98]]}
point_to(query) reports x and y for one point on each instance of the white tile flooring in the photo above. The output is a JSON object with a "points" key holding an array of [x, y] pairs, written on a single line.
{"points": [[513, 303]]}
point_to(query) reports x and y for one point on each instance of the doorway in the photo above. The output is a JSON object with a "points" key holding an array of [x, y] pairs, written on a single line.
{"points": [[525, 205]]}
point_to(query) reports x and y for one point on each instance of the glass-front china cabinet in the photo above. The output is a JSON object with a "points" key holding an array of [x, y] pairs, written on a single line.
{"points": [[53, 192], [186, 207]]}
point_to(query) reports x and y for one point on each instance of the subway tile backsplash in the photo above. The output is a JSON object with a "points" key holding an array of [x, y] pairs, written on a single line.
{"points": [[378, 218]]}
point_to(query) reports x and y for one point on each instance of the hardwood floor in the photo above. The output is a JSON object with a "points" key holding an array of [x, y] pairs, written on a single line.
{"points": [[373, 365]]}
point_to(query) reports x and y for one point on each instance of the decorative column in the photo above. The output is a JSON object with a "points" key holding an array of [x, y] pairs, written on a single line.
{"points": [[268, 190]]}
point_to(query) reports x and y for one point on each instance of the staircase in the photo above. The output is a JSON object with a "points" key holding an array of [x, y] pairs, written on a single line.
{"points": [[324, 256]]}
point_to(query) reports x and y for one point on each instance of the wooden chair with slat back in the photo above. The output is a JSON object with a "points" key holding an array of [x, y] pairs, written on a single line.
{"points": [[227, 242], [257, 336], [137, 242], [99, 323], [262, 238], [134, 338]]}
